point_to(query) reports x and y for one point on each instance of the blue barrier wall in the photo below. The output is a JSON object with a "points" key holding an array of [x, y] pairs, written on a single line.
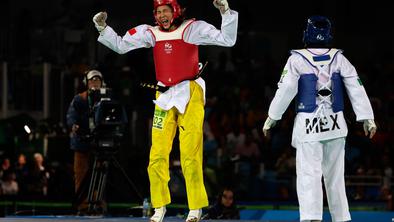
{"points": [[293, 215]]}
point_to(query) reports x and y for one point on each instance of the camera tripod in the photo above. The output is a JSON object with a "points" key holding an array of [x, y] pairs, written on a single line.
{"points": [[98, 181]]}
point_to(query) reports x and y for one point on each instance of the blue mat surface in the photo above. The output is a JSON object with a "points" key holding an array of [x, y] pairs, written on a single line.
{"points": [[246, 215]]}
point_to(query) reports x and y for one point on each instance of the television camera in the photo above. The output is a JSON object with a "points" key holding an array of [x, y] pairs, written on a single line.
{"points": [[107, 120], [107, 123]]}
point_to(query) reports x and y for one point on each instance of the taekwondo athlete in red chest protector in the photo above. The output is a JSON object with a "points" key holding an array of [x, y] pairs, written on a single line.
{"points": [[175, 43]]}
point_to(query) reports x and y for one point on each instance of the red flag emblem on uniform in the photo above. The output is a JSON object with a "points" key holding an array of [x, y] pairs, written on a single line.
{"points": [[132, 31]]}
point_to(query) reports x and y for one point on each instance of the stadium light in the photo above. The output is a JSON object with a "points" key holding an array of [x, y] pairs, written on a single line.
{"points": [[27, 129]]}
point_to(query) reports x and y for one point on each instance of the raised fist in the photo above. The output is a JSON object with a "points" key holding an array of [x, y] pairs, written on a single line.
{"points": [[222, 5], [99, 21]]}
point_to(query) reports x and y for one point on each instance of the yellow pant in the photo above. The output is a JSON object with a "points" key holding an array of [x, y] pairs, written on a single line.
{"points": [[191, 151]]}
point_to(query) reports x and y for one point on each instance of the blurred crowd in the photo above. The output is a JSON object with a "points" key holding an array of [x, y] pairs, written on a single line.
{"points": [[236, 153], [29, 180]]}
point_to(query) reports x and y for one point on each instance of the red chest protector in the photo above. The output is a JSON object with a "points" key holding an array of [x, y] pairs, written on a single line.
{"points": [[175, 60]]}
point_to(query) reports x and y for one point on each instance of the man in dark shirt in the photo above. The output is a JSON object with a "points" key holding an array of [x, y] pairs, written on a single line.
{"points": [[78, 122]]}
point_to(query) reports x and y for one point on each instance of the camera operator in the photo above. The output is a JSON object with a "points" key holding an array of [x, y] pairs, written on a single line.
{"points": [[78, 115]]}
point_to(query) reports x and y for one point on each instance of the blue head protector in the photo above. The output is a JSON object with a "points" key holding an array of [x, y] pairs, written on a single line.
{"points": [[317, 31]]}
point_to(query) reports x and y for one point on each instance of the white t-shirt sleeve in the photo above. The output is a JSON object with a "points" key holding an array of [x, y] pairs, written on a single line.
{"points": [[203, 33], [138, 37], [355, 90], [287, 89]]}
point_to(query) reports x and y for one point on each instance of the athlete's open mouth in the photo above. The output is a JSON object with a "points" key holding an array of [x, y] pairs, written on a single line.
{"points": [[165, 22]]}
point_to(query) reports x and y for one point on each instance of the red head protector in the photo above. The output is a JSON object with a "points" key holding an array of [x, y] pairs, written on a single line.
{"points": [[176, 8]]}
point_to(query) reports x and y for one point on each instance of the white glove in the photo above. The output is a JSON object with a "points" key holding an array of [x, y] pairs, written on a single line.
{"points": [[222, 5], [268, 124], [369, 127], [99, 21]]}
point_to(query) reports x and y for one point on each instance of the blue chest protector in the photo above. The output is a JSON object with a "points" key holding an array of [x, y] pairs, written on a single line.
{"points": [[307, 83]]}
